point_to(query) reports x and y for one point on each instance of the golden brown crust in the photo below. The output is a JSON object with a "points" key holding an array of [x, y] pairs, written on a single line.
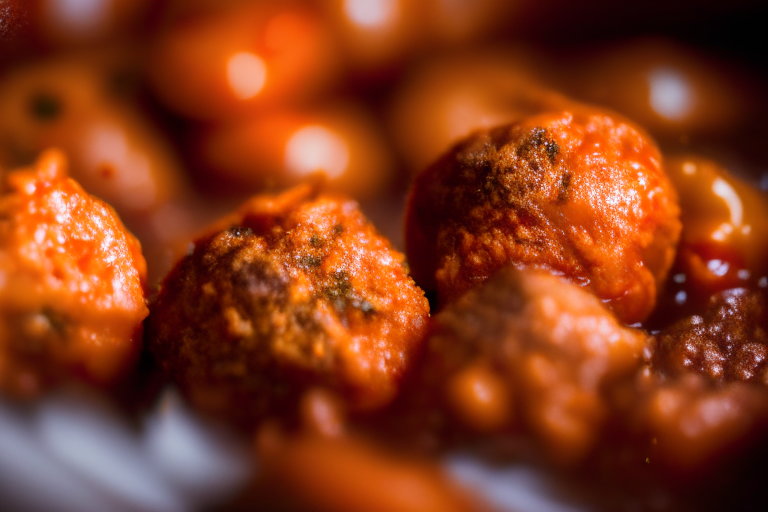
{"points": [[576, 192], [293, 290]]}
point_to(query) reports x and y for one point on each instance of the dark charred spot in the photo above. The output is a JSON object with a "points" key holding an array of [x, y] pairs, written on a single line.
{"points": [[537, 136], [240, 231], [537, 140], [343, 296], [338, 229], [339, 292], [316, 241], [478, 158], [45, 107], [310, 261], [257, 282], [366, 307], [552, 150], [565, 186]]}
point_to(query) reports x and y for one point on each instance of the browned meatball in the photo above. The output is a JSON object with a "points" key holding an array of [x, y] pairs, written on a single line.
{"points": [[728, 342], [293, 290], [531, 350], [579, 193]]}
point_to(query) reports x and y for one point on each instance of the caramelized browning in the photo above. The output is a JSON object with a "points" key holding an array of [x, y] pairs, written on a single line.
{"points": [[293, 290]]}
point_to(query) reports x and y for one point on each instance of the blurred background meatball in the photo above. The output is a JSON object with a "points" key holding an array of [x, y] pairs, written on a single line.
{"points": [[669, 89], [448, 98], [83, 104], [340, 146], [293, 290], [238, 57], [530, 352], [71, 283], [577, 192]]}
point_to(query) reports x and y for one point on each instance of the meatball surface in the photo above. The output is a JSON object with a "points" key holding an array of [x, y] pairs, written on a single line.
{"points": [[293, 290], [692, 423], [71, 283], [728, 342], [579, 193], [542, 348]]}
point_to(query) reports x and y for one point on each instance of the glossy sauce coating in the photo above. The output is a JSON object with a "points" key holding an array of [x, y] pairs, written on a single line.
{"points": [[71, 283], [543, 347], [724, 242], [579, 193], [291, 291]]}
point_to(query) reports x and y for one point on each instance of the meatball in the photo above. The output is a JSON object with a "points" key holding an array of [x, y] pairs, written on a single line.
{"points": [[700, 400], [293, 290], [71, 283], [533, 351], [636, 77], [340, 144], [231, 59], [691, 423], [75, 103], [579, 193], [728, 342], [449, 98], [114, 152]]}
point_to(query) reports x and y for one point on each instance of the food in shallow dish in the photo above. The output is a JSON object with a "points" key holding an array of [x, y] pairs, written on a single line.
{"points": [[680, 398]]}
